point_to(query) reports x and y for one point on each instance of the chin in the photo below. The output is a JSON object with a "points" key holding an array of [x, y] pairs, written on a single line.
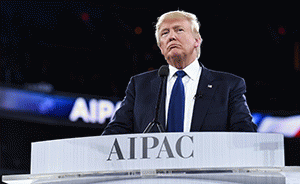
{"points": [[177, 60]]}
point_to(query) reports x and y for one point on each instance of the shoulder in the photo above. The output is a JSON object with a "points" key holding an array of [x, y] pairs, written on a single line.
{"points": [[146, 76], [227, 80], [222, 76]]}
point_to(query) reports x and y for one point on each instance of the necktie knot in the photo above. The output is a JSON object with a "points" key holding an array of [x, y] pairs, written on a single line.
{"points": [[180, 73]]}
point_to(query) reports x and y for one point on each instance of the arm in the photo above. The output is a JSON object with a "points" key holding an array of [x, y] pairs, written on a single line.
{"points": [[122, 121], [240, 118]]}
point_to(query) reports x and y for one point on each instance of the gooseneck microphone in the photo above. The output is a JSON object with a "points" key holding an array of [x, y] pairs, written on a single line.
{"points": [[163, 73]]}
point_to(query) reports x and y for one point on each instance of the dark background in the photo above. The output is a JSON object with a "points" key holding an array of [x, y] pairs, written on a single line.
{"points": [[93, 48]]}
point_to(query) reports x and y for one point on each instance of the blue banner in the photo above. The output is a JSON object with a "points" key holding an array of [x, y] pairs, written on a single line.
{"points": [[52, 108]]}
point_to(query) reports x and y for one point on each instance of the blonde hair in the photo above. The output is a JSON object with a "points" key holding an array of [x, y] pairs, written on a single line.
{"points": [[195, 24]]}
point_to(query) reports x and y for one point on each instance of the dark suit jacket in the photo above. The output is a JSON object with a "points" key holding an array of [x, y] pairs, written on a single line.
{"points": [[220, 105]]}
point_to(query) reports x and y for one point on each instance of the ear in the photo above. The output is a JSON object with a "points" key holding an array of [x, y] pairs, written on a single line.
{"points": [[198, 42], [161, 50]]}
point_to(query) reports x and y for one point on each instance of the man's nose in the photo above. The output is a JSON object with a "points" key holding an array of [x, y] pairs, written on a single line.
{"points": [[172, 39], [172, 36]]}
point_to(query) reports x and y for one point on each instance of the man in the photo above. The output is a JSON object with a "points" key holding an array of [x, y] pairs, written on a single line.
{"points": [[195, 98]]}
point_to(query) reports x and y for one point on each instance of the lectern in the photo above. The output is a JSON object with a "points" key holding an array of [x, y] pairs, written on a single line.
{"points": [[206, 157]]}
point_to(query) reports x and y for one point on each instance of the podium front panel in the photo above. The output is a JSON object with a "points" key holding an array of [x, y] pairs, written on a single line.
{"points": [[158, 151]]}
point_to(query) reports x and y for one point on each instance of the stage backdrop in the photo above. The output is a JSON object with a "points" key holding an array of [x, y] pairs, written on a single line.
{"points": [[96, 111]]}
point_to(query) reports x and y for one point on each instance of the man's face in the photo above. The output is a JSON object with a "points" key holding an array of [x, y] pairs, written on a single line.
{"points": [[177, 42]]}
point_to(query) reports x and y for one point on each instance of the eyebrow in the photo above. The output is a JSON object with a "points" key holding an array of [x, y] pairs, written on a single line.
{"points": [[174, 27]]}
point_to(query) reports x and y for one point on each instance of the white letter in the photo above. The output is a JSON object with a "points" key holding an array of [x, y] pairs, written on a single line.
{"points": [[106, 110], [79, 110], [93, 110]]}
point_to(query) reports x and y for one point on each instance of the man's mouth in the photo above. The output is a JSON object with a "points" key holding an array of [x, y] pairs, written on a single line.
{"points": [[173, 46]]}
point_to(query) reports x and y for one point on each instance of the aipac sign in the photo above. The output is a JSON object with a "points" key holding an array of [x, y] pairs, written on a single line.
{"points": [[95, 111], [54, 108]]}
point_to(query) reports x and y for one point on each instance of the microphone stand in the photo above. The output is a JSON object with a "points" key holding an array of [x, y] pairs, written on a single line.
{"points": [[155, 120]]}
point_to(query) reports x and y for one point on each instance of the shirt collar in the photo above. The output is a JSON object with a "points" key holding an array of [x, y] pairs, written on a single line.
{"points": [[191, 70]]}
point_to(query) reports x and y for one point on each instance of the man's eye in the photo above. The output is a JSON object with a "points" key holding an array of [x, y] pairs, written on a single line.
{"points": [[180, 30], [164, 33]]}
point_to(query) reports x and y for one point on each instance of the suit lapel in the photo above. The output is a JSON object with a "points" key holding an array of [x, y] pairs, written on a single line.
{"points": [[205, 92]]}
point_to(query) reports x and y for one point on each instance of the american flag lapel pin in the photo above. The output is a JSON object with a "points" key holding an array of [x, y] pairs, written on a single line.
{"points": [[209, 86]]}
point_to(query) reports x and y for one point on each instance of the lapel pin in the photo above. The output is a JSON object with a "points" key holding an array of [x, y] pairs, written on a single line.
{"points": [[209, 86]]}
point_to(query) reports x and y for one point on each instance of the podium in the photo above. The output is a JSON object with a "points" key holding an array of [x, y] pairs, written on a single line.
{"points": [[208, 157]]}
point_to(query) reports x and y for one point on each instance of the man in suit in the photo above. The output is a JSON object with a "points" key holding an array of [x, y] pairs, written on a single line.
{"points": [[208, 100]]}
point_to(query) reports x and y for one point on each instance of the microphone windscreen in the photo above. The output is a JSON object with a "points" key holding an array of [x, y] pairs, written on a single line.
{"points": [[163, 71]]}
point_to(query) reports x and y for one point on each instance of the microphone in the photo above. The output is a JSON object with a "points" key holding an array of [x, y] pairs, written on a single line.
{"points": [[163, 73]]}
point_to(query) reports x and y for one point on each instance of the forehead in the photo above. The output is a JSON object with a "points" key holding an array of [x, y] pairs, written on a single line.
{"points": [[176, 22]]}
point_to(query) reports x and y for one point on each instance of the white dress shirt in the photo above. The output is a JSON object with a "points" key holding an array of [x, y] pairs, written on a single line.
{"points": [[190, 82]]}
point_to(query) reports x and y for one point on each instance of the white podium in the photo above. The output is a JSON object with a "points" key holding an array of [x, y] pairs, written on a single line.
{"points": [[208, 157]]}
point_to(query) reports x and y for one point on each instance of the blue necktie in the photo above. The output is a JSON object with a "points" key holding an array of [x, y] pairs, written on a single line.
{"points": [[176, 105]]}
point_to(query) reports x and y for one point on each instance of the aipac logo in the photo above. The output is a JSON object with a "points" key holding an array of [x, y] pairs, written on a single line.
{"points": [[154, 146], [96, 111]]}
